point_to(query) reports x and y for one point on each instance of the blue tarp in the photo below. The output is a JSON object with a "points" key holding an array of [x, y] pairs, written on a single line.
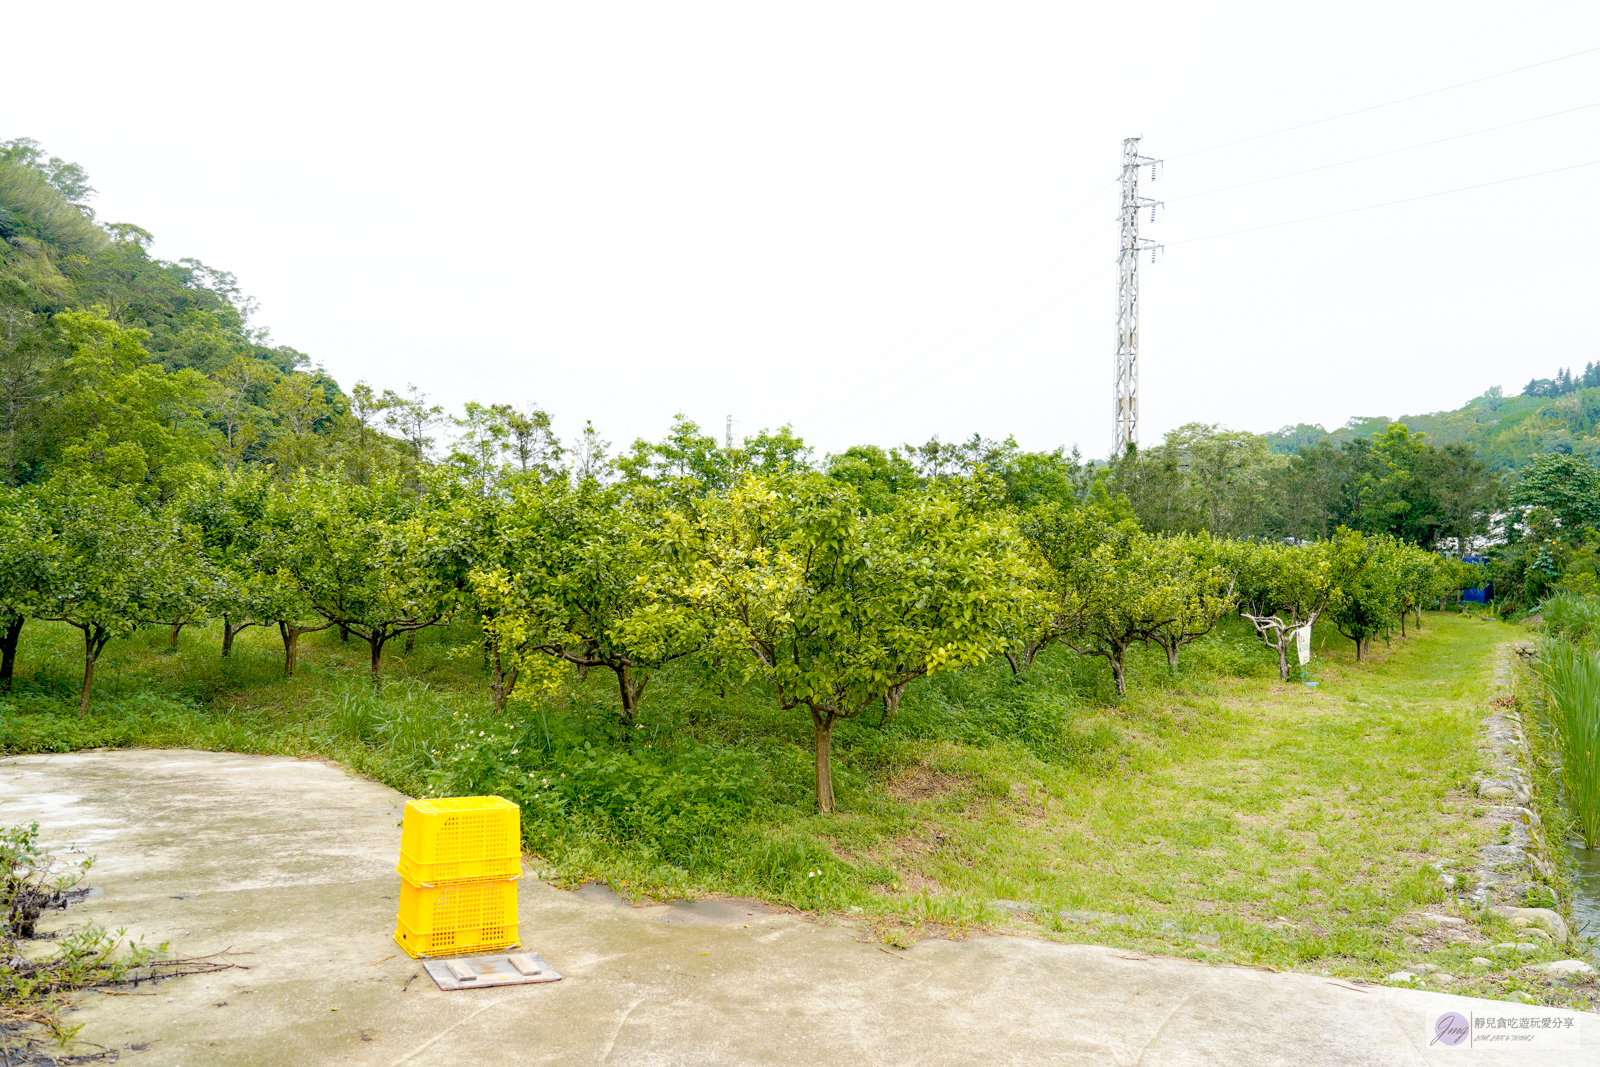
{"points": [[1483, 594]]}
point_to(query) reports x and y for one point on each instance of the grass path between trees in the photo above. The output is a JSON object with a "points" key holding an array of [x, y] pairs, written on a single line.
{"points": [[1265, 823]]}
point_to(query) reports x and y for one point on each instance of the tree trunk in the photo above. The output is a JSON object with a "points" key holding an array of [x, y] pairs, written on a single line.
{"points": [[1118, 655], [8, 650], [229, 632], [1361, 649], [1419, 616], [501, 681], [1402, 625], [291, 645], [376, 642], [1021, 661], [891, 702], [411, 641], [172, 638], [1283, 657], [1171, 648], [344, 633], [631, 690], [824, 764], [93, 641]]}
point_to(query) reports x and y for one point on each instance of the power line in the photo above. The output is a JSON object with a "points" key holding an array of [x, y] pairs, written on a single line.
{"points": [[1390, 103], [993, 307], [1387, 203], [1377, 155], [1013, 261], [1000, 337], [975, 290]]}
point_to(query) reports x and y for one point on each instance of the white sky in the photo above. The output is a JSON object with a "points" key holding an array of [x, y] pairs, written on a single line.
{"points": [[849, 217]]}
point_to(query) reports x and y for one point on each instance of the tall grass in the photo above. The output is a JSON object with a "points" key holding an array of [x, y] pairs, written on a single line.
{"points": [[1571, 677], [1571, 615]]}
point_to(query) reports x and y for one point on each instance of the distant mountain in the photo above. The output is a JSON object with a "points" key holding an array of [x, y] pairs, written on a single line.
{"points": [[1560, 414]]}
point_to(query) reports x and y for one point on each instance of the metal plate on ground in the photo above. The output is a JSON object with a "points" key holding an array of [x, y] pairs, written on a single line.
{"points": [[480, 972]]}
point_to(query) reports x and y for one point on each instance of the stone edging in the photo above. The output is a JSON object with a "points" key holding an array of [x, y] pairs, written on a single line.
{"points": [[1506, 869]]}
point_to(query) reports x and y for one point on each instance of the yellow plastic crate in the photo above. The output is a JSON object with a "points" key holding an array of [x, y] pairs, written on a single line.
{"points": [[460, 839], [465, 917]]}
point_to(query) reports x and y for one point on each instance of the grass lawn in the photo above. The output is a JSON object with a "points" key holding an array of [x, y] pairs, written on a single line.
{"points": [[1219, 814]]}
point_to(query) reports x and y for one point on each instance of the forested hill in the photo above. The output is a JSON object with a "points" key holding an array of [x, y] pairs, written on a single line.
{"points": [[130, 366], [1560, 414]]}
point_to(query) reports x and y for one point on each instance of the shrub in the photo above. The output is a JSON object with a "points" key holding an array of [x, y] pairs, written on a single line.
{"points": [[663, 798]]}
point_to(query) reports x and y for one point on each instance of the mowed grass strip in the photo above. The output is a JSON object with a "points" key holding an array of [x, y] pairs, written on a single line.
{"points": [[1259, 822]]}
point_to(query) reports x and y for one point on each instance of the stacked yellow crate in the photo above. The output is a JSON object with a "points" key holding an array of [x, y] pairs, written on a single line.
{"points": [[460, 859]]}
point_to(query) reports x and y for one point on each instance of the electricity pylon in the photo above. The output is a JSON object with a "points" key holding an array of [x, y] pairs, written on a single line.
{"points": [[1127, 386]]}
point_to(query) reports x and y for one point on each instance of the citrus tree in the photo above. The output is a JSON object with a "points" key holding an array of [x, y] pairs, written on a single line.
{"points": [[114, 566], [372, 559], [228, 510], [1284, 588], [1109, 584], [1197, 566], [834, 607], [1366, 572], [572, 574], [28, 570]]}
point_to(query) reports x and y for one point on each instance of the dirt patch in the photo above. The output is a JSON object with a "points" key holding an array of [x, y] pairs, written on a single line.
{"points": [[923, 783]]}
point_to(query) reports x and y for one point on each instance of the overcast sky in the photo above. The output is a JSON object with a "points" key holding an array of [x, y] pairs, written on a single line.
{"points": [[876, 222]]}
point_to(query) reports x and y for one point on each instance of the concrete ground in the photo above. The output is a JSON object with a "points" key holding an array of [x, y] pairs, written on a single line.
{"points": [[289, 865]]}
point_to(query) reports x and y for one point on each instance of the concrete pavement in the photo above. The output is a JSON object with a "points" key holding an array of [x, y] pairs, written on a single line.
{"points": [[290, 863]]}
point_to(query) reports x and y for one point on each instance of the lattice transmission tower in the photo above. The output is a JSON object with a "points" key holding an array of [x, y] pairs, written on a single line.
{"points": [[1127, 387]]}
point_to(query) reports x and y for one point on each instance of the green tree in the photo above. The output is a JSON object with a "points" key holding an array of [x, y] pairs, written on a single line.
{"points": [[877, 475], [1567, 486], [413, 418], [964, 576], [1284, 589], [1366, 599], [591, 459], [363, 558], [497, 441], [1198, 568], [576, 574], [1201, 478], [118, 417], [28, 378], [1109, 584], [29, 566], [235, 407], [691, 461], [228, 510], [300, 409], [367, 452], [1466, 493], [115, 563], [830, 605]]}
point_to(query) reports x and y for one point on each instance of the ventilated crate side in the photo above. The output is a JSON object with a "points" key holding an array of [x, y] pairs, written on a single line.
{"points": [[460, 838], [449, 919]]}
